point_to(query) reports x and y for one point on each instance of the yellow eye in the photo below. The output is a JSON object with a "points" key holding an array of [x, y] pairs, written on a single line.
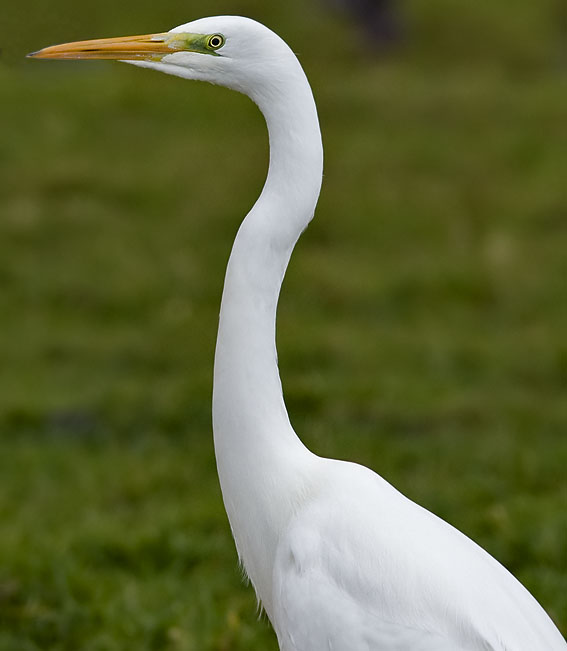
{"points": [[215, 41]]}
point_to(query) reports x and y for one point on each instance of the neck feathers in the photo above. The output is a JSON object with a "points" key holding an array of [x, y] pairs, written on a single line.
{"points": [[256, 448]]}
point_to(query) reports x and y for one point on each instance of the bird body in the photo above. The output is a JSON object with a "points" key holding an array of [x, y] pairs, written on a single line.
{"points": [[339, 559], [384, 573]]}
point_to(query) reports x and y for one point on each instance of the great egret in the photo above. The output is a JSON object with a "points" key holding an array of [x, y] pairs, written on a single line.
{"points": [[340, 560]]}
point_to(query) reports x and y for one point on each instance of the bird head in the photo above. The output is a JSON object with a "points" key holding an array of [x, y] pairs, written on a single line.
{"points": [[231, 51]]}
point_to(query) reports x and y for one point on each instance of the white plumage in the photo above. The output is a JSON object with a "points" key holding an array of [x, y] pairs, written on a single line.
{"points": [[340, 560]]}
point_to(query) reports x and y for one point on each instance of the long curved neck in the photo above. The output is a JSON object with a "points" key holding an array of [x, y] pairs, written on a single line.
{"points": [[248, 407], [255, 445]]}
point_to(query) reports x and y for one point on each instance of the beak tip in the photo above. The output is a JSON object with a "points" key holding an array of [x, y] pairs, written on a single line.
{"points": [[31, 55]]}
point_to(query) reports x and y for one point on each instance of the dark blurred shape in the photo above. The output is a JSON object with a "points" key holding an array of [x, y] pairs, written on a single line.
{"points": [[561, 15], [380, 20], [74, 422]]}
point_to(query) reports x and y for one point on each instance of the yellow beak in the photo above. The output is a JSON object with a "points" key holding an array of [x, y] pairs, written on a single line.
{"points": [[125, 48]]}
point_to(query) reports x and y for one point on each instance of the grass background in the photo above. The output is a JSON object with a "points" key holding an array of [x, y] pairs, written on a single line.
{"points": [[421, 327]]}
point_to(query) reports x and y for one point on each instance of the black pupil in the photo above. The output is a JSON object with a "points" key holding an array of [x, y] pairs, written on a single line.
{"points": [[215, 41]]}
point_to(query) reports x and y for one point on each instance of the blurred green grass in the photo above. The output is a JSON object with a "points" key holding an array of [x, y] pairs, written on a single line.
{"points": [[421, 329]]}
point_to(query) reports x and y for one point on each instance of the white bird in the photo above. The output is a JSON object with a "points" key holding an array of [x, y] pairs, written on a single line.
{"points": [[340, 560]]}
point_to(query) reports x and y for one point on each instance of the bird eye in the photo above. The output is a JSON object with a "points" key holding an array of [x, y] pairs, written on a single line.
{"points": [[215, 41]]}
